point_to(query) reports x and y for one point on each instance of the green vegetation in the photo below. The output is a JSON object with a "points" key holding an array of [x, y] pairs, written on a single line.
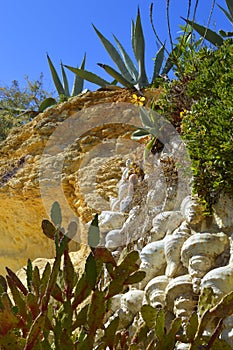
{"points": [[59, 309], [20, 105], [129, 76]]}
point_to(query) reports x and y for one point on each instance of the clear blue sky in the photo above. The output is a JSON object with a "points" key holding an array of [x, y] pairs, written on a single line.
{"points": [[29, 29]]}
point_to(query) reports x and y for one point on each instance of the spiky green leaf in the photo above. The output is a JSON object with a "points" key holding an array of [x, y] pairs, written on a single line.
{"points": [[128, 62], [56, 79], [206, 33], [139, 134], [116, 75], [65, 81], [89, 76], [78, 81], [229, 14], [16, 281], [139, 51], [90, 270], [114, 55], [158, 61], [48, 102], [34, 332]]}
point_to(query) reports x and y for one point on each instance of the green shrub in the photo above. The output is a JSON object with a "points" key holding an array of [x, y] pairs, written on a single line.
{"points": [[208, 126]]}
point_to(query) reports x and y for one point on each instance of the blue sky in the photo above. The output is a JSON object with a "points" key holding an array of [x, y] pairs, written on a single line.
{"points": [[29, 29]]}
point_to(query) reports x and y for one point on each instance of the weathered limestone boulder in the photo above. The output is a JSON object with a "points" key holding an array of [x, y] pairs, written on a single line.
{"points": [[85, 172]]}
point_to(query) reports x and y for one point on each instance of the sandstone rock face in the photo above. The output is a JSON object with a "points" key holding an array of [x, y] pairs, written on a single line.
{"points": [[89, 176]]}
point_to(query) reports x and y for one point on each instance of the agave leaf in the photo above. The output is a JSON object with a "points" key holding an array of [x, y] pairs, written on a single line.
{"points": [[170, 60], [139, 51], [78, 81], [55, 214], [158, 62], [114, 55], [56, 79], [65, 81], [128, 62], [145, 118], [229, 14], [225, 34], [48, 102], [206, 33], [89, 76], [116, 75], [139, 134]]}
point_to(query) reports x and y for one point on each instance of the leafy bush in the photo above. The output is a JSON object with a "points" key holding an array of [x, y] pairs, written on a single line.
{"points": [[20, 105], [208, 126]]}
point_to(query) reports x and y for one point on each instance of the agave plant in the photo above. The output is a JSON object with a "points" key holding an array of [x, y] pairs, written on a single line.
{"points": [[128, 75], [215, 38], [63, 87]]}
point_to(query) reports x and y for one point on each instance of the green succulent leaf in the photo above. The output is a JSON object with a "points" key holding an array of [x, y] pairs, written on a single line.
{"points": [[139, 50], [149, 315], [48, 102], [82, 291], [139, 134], [55, 214], [160, 324], [158, 61], [3, 285], [89, 76], [48, 228], [16, 281], [69, 274], [65, 81], [128, 62], [206, 33], [90, 270], [135, 277], [225, 34], [115, 56], [81, 318], [56, 79], [229, 14], [18, 298], [192, 326], [34, 332], [78, 81], [115, 75], [96, 312], [110, 333], [104, 255]]}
